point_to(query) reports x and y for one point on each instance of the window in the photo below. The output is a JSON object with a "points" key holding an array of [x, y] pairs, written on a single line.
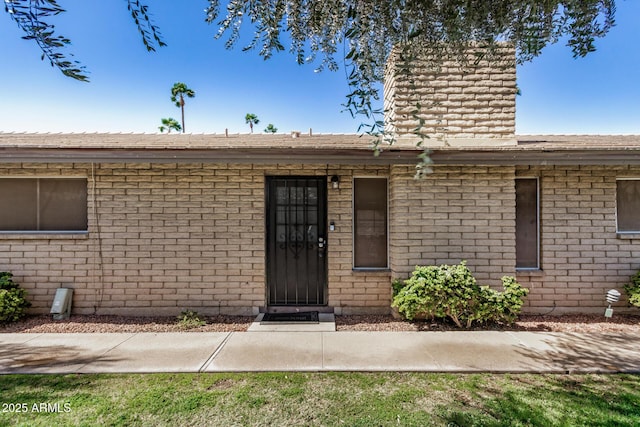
{"points": [[370, 223], [628, 205], [43, 204], [527, 224]]}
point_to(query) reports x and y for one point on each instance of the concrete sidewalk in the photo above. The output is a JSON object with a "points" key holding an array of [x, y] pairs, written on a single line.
{"points": [[320, 351]]}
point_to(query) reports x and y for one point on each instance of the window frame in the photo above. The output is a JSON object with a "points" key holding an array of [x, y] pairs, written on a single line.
{"points": [[538, 266], [39, 178], [353, 223], [618, 231]]}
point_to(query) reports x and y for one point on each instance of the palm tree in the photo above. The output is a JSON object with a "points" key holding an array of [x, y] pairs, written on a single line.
{"points": [[178, 92], [169, 124], [251, 119], [270, 128]]}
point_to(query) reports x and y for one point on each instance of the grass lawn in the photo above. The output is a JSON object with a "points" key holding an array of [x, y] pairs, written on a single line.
{"points": [[350, 399]]}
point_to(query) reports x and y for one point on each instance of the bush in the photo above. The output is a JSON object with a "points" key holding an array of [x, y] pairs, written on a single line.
{"points": [[505, 306], [633, 290], [451, 291], [12, 299]]}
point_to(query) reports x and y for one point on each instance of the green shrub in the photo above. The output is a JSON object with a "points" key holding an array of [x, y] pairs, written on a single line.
{"points": [[451, 291], [190, 319], [506, 305], [13, 300], [633, 290]]}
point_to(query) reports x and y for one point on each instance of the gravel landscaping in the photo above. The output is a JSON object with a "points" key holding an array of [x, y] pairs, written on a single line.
{"points": [[566, 323], [84, 323]]}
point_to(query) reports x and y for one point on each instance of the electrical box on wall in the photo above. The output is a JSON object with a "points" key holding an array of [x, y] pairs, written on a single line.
{"points": [[61, 307]]}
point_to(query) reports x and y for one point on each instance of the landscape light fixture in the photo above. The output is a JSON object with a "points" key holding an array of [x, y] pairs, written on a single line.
{"points": [[612, 297]]}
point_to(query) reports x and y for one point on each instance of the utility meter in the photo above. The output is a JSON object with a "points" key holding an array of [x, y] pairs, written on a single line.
{"points": [[61, 308]]}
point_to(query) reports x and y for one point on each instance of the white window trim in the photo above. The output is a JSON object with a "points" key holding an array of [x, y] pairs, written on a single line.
{"points": [[538, 245], [353, 223]]}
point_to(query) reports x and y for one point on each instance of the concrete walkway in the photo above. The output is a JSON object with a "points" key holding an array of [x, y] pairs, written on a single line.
{"points": [[319, 351]]}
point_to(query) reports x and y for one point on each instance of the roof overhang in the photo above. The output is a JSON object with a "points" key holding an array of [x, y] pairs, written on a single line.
{"points": [[539, 157], [321, 149], [319, 156], [213, 155]]}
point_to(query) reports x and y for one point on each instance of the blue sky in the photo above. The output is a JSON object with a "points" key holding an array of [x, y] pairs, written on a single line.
{"points": [[130, 88]]}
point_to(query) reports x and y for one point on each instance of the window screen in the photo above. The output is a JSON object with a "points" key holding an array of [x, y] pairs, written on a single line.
{"points": [[370, 222], [527, 235], [43, 204], [19, 204], [628, 205]]}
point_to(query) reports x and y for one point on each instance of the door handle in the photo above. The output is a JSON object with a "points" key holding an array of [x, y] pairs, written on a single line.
{"points": [[321, 242]]}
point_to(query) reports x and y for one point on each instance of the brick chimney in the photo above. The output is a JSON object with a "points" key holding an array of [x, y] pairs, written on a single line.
{"points": [[459, 104]]}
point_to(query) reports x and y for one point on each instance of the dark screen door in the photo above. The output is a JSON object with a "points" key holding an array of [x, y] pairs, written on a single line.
{"points": [[296, 240]]}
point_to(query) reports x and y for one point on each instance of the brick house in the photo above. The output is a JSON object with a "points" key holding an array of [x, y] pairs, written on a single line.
{"points": [[154, 224]]}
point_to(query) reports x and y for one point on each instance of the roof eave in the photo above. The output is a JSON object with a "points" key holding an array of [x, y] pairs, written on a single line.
{"points": [[486, 156], [618, 156], [262, 156]]}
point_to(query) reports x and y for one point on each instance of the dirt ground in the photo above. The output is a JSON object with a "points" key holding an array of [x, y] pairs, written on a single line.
{"points": [[84, 323]]}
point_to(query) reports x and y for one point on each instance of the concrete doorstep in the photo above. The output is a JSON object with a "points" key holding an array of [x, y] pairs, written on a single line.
{"points": [[327, 323]]}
